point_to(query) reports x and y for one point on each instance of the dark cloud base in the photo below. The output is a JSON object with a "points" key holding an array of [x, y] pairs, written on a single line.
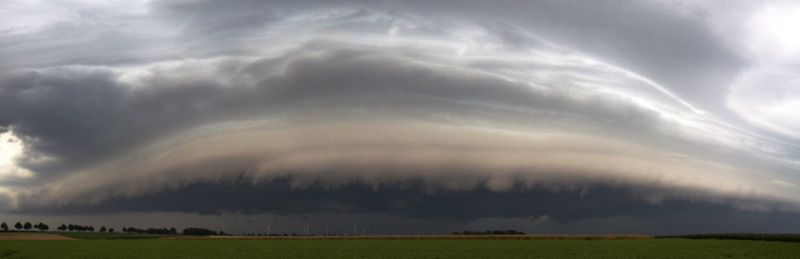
{"points": [[405, 200]]}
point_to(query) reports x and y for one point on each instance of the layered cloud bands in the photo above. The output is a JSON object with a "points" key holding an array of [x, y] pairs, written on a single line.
{"points": [[325, 100]]}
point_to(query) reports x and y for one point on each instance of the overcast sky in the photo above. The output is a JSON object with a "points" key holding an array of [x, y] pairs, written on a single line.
{"points": [[404, 117]]}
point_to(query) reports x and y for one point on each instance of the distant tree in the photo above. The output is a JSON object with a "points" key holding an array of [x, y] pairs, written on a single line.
{"points": [[72, 227], [18, 226], [124, 230], [62, 227], [111, 230], [103, 229], [134, 230], [43, 227], [173, 231], [27, 226], [4, 226]]}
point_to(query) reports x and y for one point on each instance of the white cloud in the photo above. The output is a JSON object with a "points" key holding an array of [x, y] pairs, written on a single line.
{"points": [[10, 150], [28, 17], [769, 97], [773, 36], [768, 94]]}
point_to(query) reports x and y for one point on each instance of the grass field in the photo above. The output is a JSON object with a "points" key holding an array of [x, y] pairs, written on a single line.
{"points": [[742, 236], [633, 248]]}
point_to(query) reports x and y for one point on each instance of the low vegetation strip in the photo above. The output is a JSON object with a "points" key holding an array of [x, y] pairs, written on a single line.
{"points": [[414, 237], [741, 236]]}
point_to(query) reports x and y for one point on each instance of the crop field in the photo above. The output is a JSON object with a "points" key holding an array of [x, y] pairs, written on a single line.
{"points": [[397, 248], [91, 235], [33, 236], [742, 236]]}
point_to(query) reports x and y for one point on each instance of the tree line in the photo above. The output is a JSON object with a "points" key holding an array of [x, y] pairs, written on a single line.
{"points": [[27, 226], [127, 230], [73, 227], [159, 231]]}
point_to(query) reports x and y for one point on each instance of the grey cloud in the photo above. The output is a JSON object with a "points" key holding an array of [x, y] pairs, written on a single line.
{"points": [[674, 51], [78, 117], [628, 34], [112, 41], [681, 52], [442, 158], [215, 27], [79, 114]]}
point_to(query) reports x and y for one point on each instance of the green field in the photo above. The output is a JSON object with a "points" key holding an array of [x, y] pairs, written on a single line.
{"points": [[741, 236], [158, 248]]}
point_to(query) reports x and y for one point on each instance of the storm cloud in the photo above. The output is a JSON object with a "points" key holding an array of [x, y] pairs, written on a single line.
{"points": [[408, 109]]}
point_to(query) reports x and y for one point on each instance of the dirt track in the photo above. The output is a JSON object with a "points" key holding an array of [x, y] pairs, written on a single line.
{"points": [[32, 236]]}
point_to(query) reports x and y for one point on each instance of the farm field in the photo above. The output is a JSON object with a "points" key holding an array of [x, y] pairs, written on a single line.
{"points": [[92, 235], [33, 236], [405, 248]]}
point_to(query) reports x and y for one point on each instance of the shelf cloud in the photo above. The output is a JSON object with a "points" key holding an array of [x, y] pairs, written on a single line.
{"points": [[413, 109]]}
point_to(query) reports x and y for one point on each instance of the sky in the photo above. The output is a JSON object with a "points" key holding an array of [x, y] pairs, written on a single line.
{"points": [[402, 117]]}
